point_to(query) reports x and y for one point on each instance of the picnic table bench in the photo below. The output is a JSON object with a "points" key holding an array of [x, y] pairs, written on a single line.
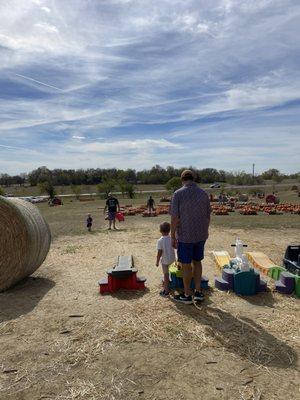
{"points": [[123, 275]]}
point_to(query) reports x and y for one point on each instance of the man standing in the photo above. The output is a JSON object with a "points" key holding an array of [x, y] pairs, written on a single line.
{"points": [[150, 204], [190, 217], [112, 205]]}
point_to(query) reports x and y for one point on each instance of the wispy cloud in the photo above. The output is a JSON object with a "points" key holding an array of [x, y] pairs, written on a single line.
{"points": [[78, 137], [133, 83]]}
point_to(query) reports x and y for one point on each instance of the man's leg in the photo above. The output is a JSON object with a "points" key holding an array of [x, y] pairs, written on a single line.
{"points": [[187, 273], [185, 252], [198, 254], [197, 273], [109, 220]]}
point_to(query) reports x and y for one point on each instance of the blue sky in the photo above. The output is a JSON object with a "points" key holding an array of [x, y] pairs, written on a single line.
{"points": [[133, 83]]}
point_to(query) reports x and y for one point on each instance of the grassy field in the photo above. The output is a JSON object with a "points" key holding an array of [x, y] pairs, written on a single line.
{"points": [[24, 191], [69, 219]]}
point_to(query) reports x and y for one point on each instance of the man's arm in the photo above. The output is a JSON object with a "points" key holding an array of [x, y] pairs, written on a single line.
{"points": [[174, 211], [174, 225], [208, 210]]}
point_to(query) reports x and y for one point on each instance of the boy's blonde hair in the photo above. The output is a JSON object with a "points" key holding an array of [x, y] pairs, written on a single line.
{"points": [[165, 227]]}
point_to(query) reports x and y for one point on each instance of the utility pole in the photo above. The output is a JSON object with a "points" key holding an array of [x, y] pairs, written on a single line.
{"points": [[253, 173]]}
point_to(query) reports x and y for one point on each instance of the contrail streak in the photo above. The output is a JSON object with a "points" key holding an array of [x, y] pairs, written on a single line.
{"points": [[9, 147], [41, 83]]}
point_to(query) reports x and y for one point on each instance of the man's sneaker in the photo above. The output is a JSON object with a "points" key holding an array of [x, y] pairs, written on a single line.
{"points": [[198, 296], [163, 293], [182, 298]]}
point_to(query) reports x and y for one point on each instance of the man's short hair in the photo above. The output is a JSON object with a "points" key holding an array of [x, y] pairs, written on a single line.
{"points": [[187, 175], [165, 227]]}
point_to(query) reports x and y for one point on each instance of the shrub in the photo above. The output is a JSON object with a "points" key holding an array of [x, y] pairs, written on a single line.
{"points": [[76, 190], [106, 187], [127, 188], [47, 188], [173, 184]]}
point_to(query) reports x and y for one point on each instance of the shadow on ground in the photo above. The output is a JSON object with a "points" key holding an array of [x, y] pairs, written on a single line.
{"points": [[23, 297], [263, 299], [242, 336], [130, 294]]}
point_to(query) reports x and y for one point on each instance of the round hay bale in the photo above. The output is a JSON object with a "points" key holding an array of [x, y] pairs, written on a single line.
{"points": [[24, 240]]}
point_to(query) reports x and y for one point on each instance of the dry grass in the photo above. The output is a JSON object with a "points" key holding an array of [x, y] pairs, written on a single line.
{"points": [[137, 345]]}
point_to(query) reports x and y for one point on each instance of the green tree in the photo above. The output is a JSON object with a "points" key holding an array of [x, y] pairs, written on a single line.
{"points": [[173, 184], [77, 190], [277, 178], [270, 173], [130, 190], [106, 187], [39, 175], [47, 188], [127, 188], [1, 191]]}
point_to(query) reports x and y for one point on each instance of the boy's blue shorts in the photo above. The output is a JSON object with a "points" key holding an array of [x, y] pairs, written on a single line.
{"points": [[187, 252]]}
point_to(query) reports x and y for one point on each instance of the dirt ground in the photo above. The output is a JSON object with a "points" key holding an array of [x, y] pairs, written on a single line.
{"points": [[61, 340]]}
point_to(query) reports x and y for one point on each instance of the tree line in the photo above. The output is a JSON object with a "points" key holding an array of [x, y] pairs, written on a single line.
{"points": [[154, 175]]}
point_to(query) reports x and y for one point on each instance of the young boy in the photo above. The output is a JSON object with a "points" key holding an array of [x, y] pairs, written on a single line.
{"points": [[165, 254], [89, 222]]}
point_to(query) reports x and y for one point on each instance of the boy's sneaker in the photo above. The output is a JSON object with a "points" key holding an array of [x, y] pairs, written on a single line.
{"points": [[198, 296], [163, 293], [182, 298]]}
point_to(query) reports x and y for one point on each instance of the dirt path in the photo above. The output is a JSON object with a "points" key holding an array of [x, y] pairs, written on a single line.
{"points": [[64, 341]]}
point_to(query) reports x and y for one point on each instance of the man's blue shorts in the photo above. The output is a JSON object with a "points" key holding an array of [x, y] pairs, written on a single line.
{"points": [[187, 252], [111, 215]]}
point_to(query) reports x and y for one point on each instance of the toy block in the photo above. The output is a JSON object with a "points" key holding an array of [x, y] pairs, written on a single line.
{"points": [[286, 284], [221, 284], [297, 285], [176, 281], [245, 283], [287, 278], [261, 285], [274, 272], [204, 282], [281, 288], [228, 276]]}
